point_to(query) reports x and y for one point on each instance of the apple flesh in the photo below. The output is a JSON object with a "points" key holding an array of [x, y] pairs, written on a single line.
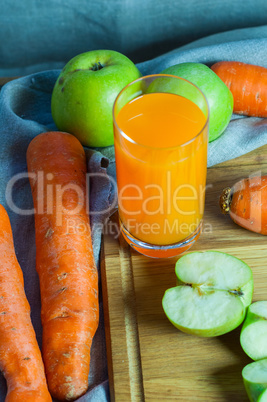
{"points": [[253, 337], [255, 380], [213, 293], [84, 94], [263, 396], [218, 95]]}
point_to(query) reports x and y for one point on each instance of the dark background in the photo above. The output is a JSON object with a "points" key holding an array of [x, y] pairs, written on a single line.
{"points": [[36, 35]]}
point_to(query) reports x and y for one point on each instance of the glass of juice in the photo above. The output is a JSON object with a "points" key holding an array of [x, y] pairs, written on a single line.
{"points": [[161, 140]]}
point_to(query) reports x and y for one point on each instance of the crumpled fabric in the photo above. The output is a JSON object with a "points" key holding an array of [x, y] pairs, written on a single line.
{"points": [[25, 112]]}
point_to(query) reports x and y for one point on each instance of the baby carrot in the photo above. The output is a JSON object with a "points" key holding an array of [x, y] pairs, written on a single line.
{"points": [[248, 84], [64, 261], [20, 356]]}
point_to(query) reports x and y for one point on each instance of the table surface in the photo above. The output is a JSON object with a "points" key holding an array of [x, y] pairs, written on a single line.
{"points": [[148, 358], [4, 80]]}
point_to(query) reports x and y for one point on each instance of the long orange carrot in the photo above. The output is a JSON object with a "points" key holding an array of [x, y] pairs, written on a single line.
{"points": [[20, 356], [248, 84], [64, 261]]}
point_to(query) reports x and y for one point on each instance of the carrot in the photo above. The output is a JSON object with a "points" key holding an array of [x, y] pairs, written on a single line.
{"points": [[20, 356], [246, 203], [64, 261], [248, 84]]}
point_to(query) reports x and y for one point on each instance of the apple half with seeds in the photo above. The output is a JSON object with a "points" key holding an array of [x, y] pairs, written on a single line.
{"points": [[255, 380], [213, 293], [253, 337]]}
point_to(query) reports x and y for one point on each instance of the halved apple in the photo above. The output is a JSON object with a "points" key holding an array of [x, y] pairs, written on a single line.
{"points": [[263, 396], [253, 337], [213, 293], [255, 380]]}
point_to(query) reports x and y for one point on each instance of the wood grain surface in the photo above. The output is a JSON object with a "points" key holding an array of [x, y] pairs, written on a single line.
{"points": [[4, 80], [148, 358]]}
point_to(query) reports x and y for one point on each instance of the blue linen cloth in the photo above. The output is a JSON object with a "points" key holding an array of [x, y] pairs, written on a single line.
{"points": [[25, 112]]}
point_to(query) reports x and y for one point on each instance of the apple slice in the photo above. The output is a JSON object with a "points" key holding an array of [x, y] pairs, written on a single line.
{"points": [[213, 293], [253, 337], [263, 396], [255, 380]]}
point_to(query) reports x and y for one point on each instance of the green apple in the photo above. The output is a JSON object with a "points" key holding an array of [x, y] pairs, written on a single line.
{"points": [[263, 396], [84, 93], [219, 97], [255, 380], [253, 337], [213, 293]]}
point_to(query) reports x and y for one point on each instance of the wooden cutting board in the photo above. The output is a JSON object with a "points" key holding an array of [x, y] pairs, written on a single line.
{"points": [[148, 358]]}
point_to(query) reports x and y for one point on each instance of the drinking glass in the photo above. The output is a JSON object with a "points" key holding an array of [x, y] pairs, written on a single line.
{"points": [[161, 138]]}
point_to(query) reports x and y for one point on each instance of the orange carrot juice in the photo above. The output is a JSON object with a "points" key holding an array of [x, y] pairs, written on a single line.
{"points": [[161, 163]]}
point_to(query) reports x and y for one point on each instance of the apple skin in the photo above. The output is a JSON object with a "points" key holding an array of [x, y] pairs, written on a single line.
{"points": [[219, 97], [84, 94], [263, 396], [255, 329], [255, 389]]}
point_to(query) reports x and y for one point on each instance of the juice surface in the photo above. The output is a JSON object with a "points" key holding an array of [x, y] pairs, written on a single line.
{"points": [[161, 166], [161, 120]]}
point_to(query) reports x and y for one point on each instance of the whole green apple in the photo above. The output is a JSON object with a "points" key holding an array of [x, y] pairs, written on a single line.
{"points": [[219, 97], [84, 93]]}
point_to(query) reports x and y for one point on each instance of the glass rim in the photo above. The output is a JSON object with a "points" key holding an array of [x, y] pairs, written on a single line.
{"points": [[152, 147]]}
